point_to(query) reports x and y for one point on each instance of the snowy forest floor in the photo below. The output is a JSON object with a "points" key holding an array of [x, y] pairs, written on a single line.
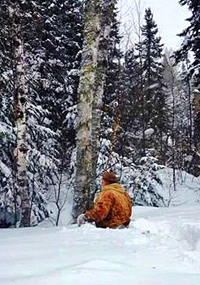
{"points": [[161, 247]]}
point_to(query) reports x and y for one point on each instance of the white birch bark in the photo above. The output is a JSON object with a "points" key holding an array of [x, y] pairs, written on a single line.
{"points": [[20, 98], [97, 25]]}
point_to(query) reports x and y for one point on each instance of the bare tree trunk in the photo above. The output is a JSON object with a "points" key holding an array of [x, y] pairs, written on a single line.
{"points": [[173, 133], [20, 98], [143, 124], [171, 77], [196, 118], [196, 107], [191, 130], [97, 25], [190, 108]]}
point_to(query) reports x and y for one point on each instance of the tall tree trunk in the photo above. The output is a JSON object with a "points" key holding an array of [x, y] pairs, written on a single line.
{"points": [[196, 155], [97, 25], [191, 129], [20, 98], [173, 132], [196, 107]]}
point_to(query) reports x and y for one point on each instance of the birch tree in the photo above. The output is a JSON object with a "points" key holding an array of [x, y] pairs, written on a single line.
{"points": [[20, 98], [98, 18]]}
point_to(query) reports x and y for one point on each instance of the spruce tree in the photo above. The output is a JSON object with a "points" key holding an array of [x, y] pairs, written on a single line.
{"points": [[152, 86], [9, 198], [191, 41], [52, 39], [112, 97], [132, 105], [53, 56], [191, 46]]}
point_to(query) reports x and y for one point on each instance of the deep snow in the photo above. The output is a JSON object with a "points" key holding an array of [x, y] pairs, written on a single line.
{"points": [[161, 247]]}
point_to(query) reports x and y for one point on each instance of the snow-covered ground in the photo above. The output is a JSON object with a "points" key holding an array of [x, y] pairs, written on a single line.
{"points": [[161, 247], [187, 187]]}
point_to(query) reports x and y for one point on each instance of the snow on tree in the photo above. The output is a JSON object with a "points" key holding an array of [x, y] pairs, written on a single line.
{"points": [[145, 105], [48, 69], [20, 99], [196, 154], [153, 96], [191, 40], [140, 180], [112, 97], [98, 17], [9, 210], [53, 59], [179, 139], [132, 106]]}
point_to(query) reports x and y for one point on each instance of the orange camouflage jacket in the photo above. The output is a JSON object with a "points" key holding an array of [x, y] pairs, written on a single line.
{"points": [[112, 207]]}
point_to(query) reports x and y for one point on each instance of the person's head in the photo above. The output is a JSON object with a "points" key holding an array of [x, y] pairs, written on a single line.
{"points": [[108, 178]]}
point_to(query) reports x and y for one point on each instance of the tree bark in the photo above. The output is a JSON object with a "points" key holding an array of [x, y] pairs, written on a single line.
{"points": [[196, 107], [97, 25], [20, 98]]}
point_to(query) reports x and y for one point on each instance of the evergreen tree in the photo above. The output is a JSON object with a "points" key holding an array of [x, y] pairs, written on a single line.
{"points": [[114, 55], [191, 42], [9, 198], [54, 60], [152, 86], [132, 105], [112, 97], [52, 39], [177, 144], [191, 46], [145, 120]]}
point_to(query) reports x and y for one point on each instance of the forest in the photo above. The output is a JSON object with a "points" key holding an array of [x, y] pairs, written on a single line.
{"points": [[74, 103]]}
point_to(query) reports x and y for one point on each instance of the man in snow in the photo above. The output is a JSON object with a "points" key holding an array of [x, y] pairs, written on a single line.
{"points": [[112, 207]]}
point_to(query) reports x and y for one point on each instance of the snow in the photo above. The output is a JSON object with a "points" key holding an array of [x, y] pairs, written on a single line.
{"points": [[149, 132], [5, 128], [196, 91], [187, 187], [161, 247], [4, 169]]}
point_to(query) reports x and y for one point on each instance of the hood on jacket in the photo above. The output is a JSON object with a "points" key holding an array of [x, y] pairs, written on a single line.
{"points": [[114, 187]]}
